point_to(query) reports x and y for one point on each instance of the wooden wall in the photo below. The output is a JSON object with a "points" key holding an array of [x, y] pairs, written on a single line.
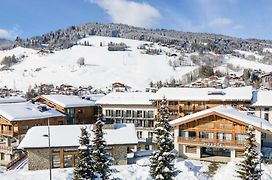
{"points": [[214, 124]]}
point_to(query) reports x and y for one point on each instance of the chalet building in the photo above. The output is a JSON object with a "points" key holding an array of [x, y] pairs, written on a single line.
{"points": [[266, 80], [119, 138], [76, 109], [132, 107], [216, 134], [17, 118], [185, 101], [119, 87]]}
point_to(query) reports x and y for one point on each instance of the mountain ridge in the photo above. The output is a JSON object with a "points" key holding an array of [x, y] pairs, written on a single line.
{"points": [[190, 41]]}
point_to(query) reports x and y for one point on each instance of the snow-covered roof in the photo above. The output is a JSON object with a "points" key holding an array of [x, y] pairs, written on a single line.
{"points": [[26, 111], [68, 136], [93, 97], [12, 99], [229, 112], [68, 101], [126, 98], [262, 98], [205, 94]]}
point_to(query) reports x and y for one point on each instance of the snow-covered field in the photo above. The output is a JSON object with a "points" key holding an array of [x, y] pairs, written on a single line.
{"points": [[188, 169], [102, 67], [243, 63]]}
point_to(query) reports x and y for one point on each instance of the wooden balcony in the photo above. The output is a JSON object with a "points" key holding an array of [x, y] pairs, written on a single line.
{"points": [[193, 108], [212, 142], [173, 107], [6, 149], [6, 133]]}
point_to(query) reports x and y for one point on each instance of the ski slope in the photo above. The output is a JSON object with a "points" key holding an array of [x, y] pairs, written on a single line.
{"points": [[102, 67]]}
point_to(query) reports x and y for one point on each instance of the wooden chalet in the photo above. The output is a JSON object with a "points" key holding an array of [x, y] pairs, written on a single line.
{"points": [[17, 118], [76, 109], [217, 134]]}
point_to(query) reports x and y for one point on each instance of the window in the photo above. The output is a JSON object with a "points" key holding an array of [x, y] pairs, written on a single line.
{"points": [[208, 135], [134, 114], [55, 161], [139, 134], [128, 113], [150, 134], [109, 112], [184, 134], [227, 136], [139, 123], [146, 147], [220, 136], [266, 116], [118, 113], [150, 114], [240, 137], [68, 160], [139, 113], [266, 109], [150, 123]]}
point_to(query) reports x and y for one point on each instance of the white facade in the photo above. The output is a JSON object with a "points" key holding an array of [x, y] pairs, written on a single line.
{"points": [[143, 117]]}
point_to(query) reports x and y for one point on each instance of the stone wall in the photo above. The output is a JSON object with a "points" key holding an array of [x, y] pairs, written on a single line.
{"points": [[119, 154], [38, 159]]}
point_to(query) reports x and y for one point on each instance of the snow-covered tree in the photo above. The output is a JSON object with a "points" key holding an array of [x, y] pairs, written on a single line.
{"points": [[101, 157], [84, 168], [81, 61], [248, 166], [162, 166]]}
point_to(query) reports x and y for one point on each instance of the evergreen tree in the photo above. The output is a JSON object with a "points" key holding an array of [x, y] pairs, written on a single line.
{"points": [[84, 168], [162, 166], [101, 157], [248, 167]]}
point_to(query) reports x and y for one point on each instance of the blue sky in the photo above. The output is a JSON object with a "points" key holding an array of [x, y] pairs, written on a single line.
{"points": [[242, 18]]}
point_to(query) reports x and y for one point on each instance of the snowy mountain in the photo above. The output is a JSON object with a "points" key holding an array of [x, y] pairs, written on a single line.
{"points": [[101, 69], [132, 67]]}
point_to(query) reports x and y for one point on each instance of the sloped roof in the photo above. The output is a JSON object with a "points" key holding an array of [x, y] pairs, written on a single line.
{"points": [[229, 112], [68, 101], [68, 136], [205, 94], [26, 111]]}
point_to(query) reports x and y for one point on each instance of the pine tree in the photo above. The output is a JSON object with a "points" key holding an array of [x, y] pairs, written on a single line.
{"points": [[248, 167], [101, 157], [162, 166], [84, 168]]}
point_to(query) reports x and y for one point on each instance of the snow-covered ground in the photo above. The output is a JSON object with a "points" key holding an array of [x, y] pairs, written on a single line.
{"points": [[188, 169], [243, 63], [102, 67]]}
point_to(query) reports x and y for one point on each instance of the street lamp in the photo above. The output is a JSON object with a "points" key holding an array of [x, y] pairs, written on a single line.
{"points": [[49, 148]]}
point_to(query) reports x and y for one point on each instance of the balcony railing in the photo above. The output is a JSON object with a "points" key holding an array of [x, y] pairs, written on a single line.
{"points": [[193, 108], [173, 107], [6, 133], [6, 149], [212, 142]]}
